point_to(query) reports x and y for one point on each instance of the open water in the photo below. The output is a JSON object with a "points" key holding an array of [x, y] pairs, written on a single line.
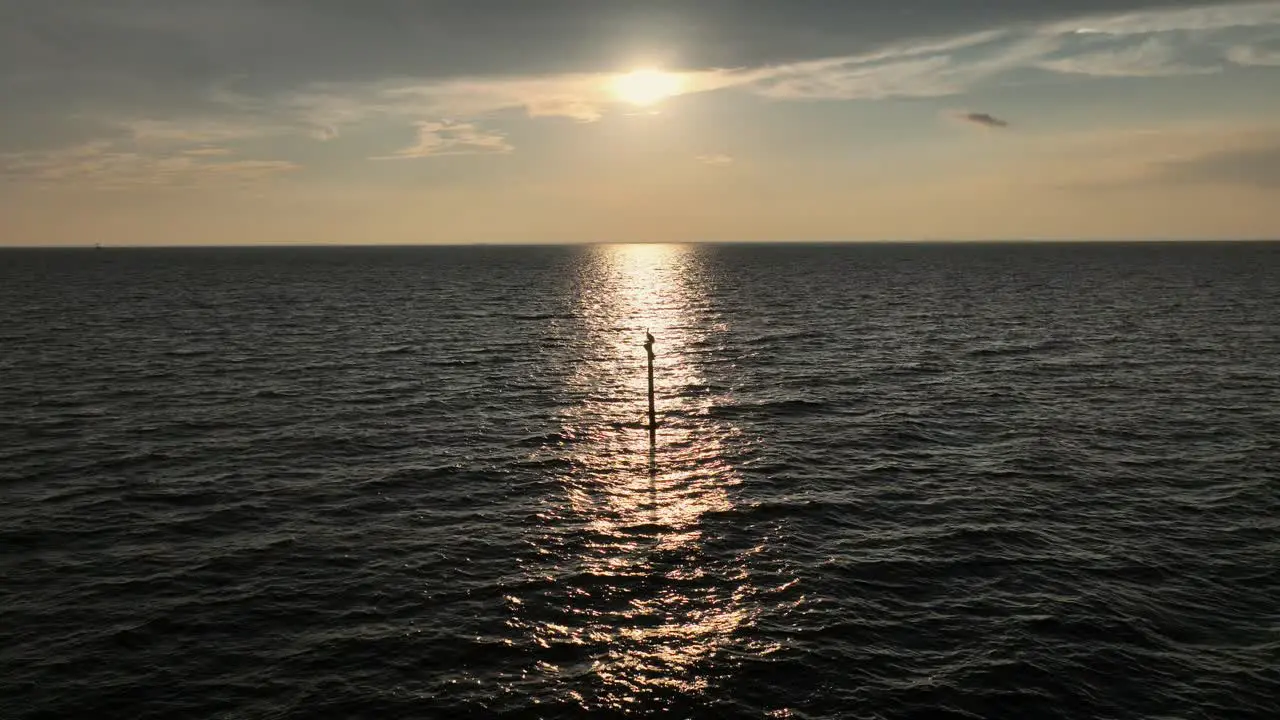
{"points": [[891, 481]]}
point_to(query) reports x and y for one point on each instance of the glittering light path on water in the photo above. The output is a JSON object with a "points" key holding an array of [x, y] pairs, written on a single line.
{"points": [[637, 599]]}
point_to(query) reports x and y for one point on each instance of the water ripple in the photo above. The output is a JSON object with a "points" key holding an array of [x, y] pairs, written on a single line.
{"points": [[890, 481]]}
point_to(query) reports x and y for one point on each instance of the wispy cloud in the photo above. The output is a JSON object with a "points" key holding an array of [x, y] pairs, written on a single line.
{"points": [[983, 119], [101, 165], [915, 69], [451, 138], [1147, 22], [1146, 43], [1129, 44], [325, 109], [1254, 55], [920, 77], [197, 130], [574, 96], [719, 160], [207, 152], [929, 68], [1154, 57]]}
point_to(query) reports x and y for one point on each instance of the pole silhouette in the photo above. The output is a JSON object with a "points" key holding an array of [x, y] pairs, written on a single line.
{"points": [[653, 413]]}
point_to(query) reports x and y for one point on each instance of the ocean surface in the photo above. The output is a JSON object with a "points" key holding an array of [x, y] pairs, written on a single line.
{"points": [[890, 481]]}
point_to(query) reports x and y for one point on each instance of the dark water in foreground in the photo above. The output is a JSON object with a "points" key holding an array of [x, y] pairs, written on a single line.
{"points": [[892, 481]]}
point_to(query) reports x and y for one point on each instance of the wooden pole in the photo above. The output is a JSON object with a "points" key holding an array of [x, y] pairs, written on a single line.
{"points": [[653, 413]]}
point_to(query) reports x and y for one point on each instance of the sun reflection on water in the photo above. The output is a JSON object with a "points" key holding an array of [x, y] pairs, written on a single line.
{"points": [[636, 288], [636, 598]]}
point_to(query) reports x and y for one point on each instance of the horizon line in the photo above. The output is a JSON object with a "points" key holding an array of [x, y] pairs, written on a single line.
{"points": [[923, 241]]}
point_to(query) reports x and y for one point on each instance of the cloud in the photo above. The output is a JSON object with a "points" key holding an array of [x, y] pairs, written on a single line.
{"points": [[176, 46], [1254, 55], [1205, 16], [922, 67], [1152, 58], [178, 73], [324, 110], [927, 69], [102, 165], [207, 152], [195, 129], [578, 109], [936, 67], [451, 138], [852, 80], [716, 159], [578, 96], [930, 67], [983, 119], [323, 133]]}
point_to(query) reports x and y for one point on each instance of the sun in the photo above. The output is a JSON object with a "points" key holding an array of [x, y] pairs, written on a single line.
{"points": [[646, 87]]}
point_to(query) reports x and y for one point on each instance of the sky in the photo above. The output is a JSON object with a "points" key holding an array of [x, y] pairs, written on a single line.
{"points": [[175, 122]]}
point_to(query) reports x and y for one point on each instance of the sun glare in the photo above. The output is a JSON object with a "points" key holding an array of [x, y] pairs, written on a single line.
{"points": [[646, 87]]}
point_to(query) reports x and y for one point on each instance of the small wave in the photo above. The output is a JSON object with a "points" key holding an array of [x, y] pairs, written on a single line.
{"points": [[918, 368], [450, 362], [414, 476], [394, 350], [699, 390], [191, 352], [1010, 349], [542, 316], [560, 437], [776, 408], [271, 393], [546, 464], [768, 338]]}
